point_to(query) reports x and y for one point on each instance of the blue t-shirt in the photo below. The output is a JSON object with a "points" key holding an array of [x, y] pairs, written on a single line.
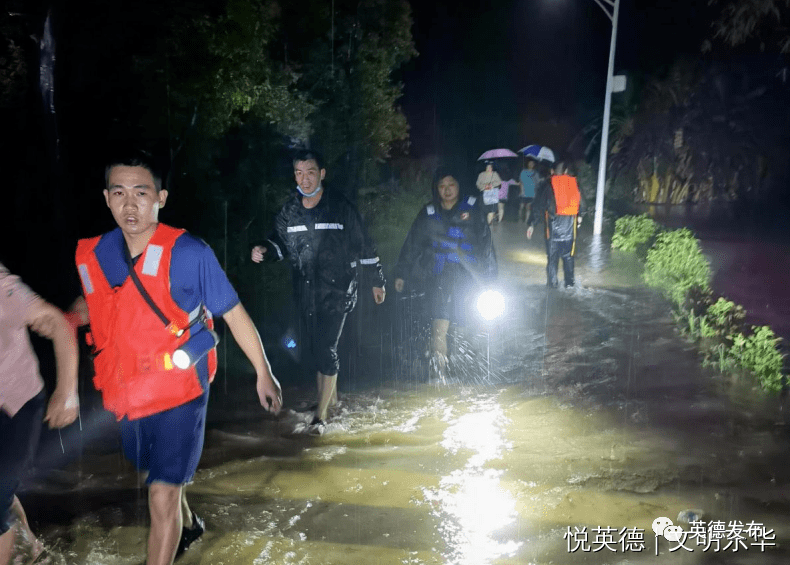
{"points": [[528, 179], [196, 277]]}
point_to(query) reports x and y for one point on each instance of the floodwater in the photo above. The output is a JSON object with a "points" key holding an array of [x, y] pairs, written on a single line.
{"points": [[568, 430]]}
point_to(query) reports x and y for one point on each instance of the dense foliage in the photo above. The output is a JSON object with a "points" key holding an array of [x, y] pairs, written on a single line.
{"points": [[762, 21], [675, 264], [630, 232], [347, 60]]}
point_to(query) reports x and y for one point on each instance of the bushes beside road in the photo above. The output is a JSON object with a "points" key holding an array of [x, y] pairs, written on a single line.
{"points": [[675, 265]]}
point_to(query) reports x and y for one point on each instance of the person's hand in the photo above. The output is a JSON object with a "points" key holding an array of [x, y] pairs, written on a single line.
{"points": [[62, 409], [44, 325], [530, 229], [269, 393], [379, 294], [488, 186], [399, 285], [257, 253]]}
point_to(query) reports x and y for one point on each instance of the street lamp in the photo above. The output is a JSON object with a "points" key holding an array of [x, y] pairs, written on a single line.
{"points": [[607, 108]]}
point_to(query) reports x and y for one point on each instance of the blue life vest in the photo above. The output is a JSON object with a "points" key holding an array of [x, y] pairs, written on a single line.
{"points": [[454, 245]]}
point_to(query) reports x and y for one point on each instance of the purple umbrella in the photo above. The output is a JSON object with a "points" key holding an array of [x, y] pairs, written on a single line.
{"points": [[496, 154], [538, 152]]}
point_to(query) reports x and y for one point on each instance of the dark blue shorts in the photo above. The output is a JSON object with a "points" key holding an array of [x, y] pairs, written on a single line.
{"points": [[321, 334], [450, 295], [168, 445], [18, 442]]}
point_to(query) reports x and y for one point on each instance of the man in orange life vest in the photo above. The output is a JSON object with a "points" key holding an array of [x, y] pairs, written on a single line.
{"points": [[560, 205], [148, 289]]}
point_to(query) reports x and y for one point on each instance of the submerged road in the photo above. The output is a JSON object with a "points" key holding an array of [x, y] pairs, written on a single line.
{"points": [[598, 419]]}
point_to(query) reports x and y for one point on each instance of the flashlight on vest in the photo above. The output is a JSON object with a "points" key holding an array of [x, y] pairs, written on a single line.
{"points": [[490, 304], [199, 343]]}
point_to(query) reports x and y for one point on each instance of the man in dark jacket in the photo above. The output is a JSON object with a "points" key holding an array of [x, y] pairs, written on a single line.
{"points": [[447, 253], [560, 205], [322, 234]]}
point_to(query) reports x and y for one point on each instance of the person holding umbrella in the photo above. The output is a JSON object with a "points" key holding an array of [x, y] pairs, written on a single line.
{"points": [[532, 176], [488, 182]]}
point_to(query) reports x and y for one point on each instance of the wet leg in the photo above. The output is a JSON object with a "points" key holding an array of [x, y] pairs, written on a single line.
{"points": [[24, 528], [321, 379], [567, 264], [7, 545], [164, 505], [327, 389], [553, 263], [186, 512], [501, 210], [439, 348]]}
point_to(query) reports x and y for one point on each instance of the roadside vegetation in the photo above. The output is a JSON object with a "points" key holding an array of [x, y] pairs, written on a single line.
{"points": [[675, 265]]}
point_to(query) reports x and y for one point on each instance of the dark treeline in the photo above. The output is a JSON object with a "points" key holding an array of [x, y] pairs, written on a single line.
{"points": [[220, 89]]}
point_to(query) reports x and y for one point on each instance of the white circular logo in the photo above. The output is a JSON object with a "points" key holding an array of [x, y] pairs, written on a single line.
{"points": [[673, 533], [660, 524]]}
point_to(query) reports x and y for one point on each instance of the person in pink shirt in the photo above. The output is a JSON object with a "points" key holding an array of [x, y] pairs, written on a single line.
{"points": [[22, 398]]}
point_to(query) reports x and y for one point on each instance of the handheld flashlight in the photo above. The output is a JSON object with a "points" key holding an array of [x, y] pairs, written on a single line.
{"points": [[490, 304], [200, 343]]}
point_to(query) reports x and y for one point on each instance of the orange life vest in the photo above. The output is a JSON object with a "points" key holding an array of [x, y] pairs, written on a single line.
{"points": [[133, 364], [566, 194]]}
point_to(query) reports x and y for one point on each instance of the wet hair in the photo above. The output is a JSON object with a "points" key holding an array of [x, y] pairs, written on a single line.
{"points": [[133, 158], [442, 172], [309, 155]]}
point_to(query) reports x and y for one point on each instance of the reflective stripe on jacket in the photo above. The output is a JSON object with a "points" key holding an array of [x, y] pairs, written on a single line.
{"points": [[133, 347], [330, 250]]}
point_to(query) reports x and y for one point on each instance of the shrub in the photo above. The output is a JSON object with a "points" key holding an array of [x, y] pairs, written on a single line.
{"points": [[675, 265], [632, 231], [759, 355], [723, 315]]}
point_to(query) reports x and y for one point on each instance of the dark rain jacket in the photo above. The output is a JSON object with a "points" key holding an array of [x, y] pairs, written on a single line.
{"points": [[327, 246], [544, 208], [456, 240]]}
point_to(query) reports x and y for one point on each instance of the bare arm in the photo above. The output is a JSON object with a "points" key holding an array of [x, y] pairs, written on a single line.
{"points": [[48, 321], [246, 335]]}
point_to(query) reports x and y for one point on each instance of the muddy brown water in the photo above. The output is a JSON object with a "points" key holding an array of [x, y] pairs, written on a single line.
{"points": [[598, 419]]}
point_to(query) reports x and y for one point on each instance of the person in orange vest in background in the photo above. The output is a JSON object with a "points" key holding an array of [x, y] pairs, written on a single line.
{"points": [[149, 294], [560, 205]]}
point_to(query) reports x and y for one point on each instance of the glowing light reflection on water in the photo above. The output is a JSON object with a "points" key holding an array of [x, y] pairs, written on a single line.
{"points": [[470, 501]]}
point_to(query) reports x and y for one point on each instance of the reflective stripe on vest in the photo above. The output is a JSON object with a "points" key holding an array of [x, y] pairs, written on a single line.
{"points": [[133, 348], [566, 194]]}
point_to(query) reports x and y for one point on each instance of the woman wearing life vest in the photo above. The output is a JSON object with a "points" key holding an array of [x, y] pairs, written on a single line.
{"points": [[447, 254], [560, 205]]}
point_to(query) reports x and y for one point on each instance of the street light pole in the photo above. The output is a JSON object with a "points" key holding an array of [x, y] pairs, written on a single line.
{"points": [[598, 223]]}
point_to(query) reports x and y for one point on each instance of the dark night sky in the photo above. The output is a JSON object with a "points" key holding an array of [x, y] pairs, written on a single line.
{"points": [[508, 73]]}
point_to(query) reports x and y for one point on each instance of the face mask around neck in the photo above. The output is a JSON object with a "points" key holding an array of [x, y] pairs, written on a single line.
{"points": [[308, 195]]}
